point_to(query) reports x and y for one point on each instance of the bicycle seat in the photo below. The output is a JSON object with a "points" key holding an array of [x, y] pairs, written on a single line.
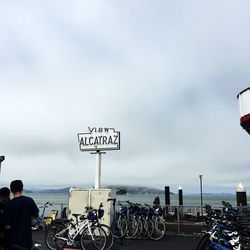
{"points": [[82, 217], [76, 215]]}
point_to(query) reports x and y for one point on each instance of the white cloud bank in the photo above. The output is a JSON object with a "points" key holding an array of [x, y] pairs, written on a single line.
{"points": [[166, 74]]}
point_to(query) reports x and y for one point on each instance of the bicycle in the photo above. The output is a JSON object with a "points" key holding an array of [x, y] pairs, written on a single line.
{"points": [[143, 215], [159, 224], [96, 221], [68, 232], [119, 223], [41, 222], [224, 230], [134, 223], [148, 224]]}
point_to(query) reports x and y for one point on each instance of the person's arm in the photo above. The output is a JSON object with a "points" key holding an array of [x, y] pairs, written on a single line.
{"points": [[7, 227], [34, 209], [6, 218], [35, 216]]}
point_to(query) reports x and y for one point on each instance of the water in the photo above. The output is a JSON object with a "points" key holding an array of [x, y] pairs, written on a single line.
{"points": [[60, 200], [50, 197], [188, 200]]}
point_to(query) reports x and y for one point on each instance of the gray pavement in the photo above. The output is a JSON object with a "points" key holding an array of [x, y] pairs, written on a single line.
{"points": [[171, 242]]}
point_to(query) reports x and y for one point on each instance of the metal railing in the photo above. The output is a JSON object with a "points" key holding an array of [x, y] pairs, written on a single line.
{"points": [[184, 219], [179, 219], [59, 206]]}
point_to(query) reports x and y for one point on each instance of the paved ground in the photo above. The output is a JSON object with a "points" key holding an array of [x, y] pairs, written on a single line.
{"points": [[171, 242]]}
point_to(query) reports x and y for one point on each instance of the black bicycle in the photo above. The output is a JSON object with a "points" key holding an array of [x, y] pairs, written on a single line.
{"points": [[119, 223]]}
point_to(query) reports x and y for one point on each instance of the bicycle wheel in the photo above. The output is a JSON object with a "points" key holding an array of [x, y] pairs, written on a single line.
{"points": [[148, 228], [123, 225], [96, 236], [109, 236], [159, 229], [140, 229], [119, 227], [51, 242], [132, 228], [203, 244]]}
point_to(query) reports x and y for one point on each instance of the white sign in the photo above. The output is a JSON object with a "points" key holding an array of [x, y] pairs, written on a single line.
{"points": [[99, 139]]}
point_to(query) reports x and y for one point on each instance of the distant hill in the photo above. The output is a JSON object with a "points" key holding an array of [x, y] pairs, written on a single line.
{"points": [[125, 189], [49, 190], [212, 194], [137, 189]]}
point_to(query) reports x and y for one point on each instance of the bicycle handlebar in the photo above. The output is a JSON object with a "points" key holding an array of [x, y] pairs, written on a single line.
{"points": [[48, 203], [111, 199], [88, 208]]}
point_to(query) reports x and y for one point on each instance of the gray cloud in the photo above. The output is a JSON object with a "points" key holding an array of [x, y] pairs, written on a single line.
{"points": [[165, 74]]}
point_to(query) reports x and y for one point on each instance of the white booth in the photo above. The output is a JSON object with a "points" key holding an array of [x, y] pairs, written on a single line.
{"points": [[79, 199], [244, 103]]}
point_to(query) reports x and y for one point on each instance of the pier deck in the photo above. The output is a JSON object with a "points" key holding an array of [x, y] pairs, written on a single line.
{"points": [[173, 242]]}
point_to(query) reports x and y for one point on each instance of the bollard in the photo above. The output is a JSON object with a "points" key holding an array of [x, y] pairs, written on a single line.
{"points": [[167, 200], [180, 196], [241, 196], [167, 196]]}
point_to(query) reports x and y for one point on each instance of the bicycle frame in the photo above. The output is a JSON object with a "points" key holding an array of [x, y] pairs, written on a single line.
{"points": [[74, 230], [39, 221], [217, 246], [118, 233]]}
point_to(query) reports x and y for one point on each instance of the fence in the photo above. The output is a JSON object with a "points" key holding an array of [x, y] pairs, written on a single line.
{"points": [[59, 206], [184, 219], [179, 219]]}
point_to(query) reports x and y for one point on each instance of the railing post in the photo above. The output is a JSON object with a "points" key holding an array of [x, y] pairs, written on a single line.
{"points": [[178, 219], [61, 209]]}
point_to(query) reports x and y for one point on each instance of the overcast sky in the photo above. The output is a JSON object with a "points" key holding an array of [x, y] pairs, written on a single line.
{"points": [[164, 73]]}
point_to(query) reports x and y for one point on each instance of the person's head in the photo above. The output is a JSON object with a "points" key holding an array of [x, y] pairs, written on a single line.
{"points": [[4, 194], [16, 186]]}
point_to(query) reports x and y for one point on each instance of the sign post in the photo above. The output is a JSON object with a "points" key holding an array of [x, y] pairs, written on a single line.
{"points": [[98, 168], [99, 140]]}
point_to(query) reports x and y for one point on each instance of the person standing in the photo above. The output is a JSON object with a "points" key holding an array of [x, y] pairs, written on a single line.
{"points": [[19, 212], [4, 198], [156, 202]]}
